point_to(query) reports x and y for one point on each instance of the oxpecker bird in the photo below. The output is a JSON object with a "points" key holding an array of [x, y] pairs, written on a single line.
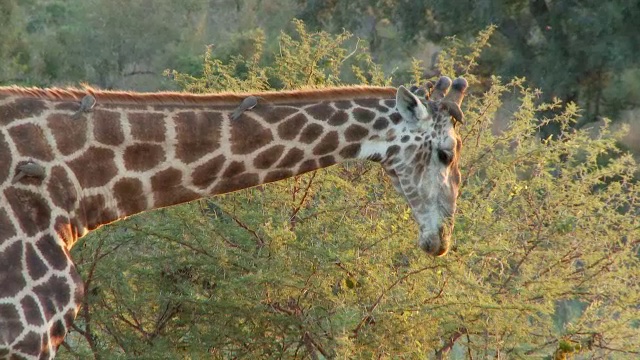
{"points": [[86, 105], [247, 104], [28, 169]]}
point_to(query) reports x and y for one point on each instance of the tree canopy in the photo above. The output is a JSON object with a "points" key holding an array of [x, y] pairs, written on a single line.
{"points": [[325, 265]]}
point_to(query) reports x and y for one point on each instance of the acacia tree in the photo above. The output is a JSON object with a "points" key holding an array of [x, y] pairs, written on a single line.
{"points": [[324, 265]]}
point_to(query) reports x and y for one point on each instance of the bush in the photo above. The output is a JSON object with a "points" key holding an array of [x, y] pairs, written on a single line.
{"points": [[325, 265]]}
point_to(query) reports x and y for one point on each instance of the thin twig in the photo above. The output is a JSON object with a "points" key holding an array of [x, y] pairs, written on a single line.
{"points": [[379, 299], [448, 345]]}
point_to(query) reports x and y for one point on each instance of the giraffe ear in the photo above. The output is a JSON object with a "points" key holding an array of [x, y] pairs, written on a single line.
{"points": [[409, 106]]}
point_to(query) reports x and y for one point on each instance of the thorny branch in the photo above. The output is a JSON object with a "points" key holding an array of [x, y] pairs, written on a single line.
{"points": [[365, 319], [294, 213], [448, 345], [259, 239]]}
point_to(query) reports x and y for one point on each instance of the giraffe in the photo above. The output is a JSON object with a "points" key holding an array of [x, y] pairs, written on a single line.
{"points": [[72, 160]]}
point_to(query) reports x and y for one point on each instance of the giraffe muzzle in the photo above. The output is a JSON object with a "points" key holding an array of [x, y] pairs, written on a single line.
{"points": [[436, 243]]}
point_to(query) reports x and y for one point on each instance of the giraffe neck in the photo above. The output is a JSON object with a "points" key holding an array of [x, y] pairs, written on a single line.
{"points": [[136, 152]]}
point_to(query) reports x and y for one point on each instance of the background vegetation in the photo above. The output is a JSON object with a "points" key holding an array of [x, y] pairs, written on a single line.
{"points": [[324, 265]]}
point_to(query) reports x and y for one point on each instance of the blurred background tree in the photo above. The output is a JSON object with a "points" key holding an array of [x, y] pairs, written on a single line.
{"points": [[325, 265], [577, 51]]}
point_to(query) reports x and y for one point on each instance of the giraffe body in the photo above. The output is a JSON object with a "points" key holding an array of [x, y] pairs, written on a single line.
{"points": [[134, 152]]}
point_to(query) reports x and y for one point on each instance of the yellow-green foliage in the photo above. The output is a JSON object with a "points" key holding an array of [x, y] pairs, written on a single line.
{"points": [[326, 265]]}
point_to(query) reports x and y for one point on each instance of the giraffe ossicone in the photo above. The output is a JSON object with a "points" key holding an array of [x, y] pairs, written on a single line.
{"points": [[131, 152]]}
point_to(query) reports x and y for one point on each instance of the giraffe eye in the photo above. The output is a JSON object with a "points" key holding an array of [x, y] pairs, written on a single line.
{"points": [[445, 157]]}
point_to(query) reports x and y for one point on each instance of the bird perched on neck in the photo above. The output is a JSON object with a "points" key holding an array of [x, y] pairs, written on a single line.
{"points": [[86, 105], [247, 104], [30, 169]]}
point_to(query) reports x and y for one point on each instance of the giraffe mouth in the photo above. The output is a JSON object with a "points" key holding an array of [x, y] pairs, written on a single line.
{"points": [[436, 243]]}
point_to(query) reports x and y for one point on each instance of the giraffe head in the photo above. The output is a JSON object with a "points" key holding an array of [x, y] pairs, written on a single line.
{"points": [[423, 161]]}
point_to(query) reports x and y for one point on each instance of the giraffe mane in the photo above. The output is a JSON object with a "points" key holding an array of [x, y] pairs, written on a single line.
{"points": [[183, 98]]}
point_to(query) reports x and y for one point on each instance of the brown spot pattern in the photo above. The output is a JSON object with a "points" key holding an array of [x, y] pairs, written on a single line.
{"points": [[6, 227], [30, 142], [206, 173], [52, 252], [326, 161], [130, 196], [198, 134], [274, 114], [371, 103], [321, 111], [142, 157], [168, 190], [31, 210], [5, 159], [268, 157], [68, 106], [238, 182], [328, 144], [95, 212], [96, 167], [307, 166], [53, 295], [409, 150], [355, 132], [67, 232], [363, 115], [35, 266], [338, 118], [289, 129], [350, 151], [11, 272], [79, 294], [147, 126], [57, 331], [293, 157], [381, 123], [61, 190], [10, 323], [107, 128], [248, 135], [392, 150], [21, 109], [311, 133], [235, 168], [277, 175], [31, 345], [70, 134], [343, 104], [395, 118]]}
